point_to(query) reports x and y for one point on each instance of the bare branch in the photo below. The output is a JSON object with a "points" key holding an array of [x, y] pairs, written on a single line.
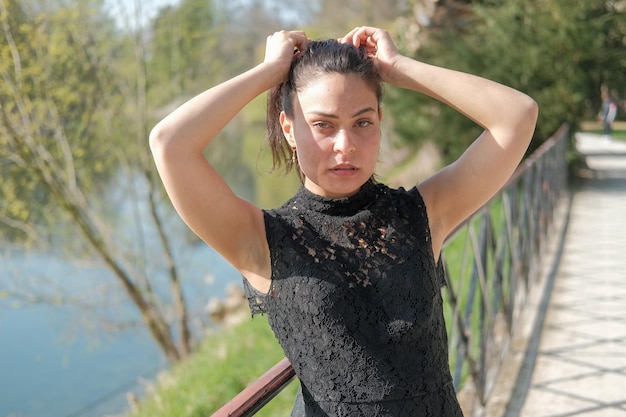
{"points": [[30, 230], [17, 63]]}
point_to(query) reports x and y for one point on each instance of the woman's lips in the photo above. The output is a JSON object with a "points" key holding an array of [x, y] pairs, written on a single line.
{"points": [[344, 169]]}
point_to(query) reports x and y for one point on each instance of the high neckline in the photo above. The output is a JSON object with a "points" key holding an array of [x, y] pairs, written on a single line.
{"points": [[365, 196]]}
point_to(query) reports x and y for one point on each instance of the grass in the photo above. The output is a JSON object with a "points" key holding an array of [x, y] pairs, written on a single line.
{"points": [[224, 364], [615, 135], [619, 129], [460, 259]]}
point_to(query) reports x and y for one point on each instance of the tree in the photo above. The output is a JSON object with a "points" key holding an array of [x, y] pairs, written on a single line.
{"points": [[79, 94], [335, 18], [61, 110], [558, 52], [182, 49]]}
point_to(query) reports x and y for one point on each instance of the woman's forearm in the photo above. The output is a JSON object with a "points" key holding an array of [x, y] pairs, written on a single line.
{"points": [[195, 123], [488, 103]]}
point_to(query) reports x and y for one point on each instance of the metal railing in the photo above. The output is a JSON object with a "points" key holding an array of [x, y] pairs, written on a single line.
{"points": [[490, 262]]}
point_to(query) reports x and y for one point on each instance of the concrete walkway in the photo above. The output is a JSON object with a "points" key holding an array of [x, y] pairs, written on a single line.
{"points": [[580, 363]]}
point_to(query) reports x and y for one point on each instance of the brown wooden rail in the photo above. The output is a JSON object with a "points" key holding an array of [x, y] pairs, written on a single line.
{"points": [[260, 392]]}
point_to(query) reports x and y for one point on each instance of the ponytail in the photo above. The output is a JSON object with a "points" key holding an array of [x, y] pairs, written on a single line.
{"points": [[281, 151]]}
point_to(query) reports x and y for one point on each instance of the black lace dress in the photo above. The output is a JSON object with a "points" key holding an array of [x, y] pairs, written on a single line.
{"points": [[355, 303]]}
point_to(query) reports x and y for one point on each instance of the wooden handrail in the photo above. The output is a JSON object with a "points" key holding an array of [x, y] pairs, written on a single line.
{"points": [[260, 392]]}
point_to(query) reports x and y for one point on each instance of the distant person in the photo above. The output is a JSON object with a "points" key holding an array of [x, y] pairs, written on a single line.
{"points": [[348, 269], [607, 114]]}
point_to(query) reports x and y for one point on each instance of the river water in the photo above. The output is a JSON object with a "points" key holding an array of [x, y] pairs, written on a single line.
{"points": [[53, 365], [58, 359]]}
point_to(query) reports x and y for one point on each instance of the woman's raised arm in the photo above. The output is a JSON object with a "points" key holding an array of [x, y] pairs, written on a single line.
{"points": [[507, 115], [231, 225]]}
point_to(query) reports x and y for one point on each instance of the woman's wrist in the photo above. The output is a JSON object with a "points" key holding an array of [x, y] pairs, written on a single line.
{"points": [[406, 73], [273, 73]]}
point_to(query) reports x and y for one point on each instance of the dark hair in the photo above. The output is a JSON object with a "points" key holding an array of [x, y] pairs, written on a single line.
{"points": [[321, 57]]}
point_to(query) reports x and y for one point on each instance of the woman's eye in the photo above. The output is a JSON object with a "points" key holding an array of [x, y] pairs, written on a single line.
{"points": [[321, 125], [364, 123]]}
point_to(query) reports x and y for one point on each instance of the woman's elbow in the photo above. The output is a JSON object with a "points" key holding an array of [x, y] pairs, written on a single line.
{"points": [[158, 139], [530, 109], [528, 114]]}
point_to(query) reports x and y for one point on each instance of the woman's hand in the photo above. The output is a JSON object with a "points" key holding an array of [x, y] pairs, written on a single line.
{"points": [[379, 46], [283, 47]]}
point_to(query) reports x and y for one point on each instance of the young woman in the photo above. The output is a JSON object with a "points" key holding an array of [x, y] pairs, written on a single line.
{"points": [[347, 270]]}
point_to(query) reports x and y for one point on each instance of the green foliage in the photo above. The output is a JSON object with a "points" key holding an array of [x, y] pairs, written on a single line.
{"points": [[555, 51], [559, 52], [336, 18], [223, 365], [56, 109], [182, 53], [77, 100]]}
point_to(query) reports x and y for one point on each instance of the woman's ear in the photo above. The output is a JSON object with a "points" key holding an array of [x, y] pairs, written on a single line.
{"points": [[287, 126]]}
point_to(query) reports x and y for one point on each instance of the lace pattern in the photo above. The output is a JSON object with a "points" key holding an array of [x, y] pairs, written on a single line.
{"points": [[355, 303]]}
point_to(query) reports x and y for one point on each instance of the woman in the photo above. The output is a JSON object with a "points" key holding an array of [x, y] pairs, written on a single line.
{"points": [[347, 270], [607, 113]]}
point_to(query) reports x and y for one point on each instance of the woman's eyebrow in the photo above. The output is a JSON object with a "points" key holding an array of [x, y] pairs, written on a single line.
{"points": [[334, 116]]}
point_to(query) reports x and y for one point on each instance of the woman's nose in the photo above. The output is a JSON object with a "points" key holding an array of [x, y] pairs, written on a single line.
{"points": [[343, 142]]}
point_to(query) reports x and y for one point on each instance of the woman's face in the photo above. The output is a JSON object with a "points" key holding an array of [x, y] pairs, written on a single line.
{"points": [[336, 132]]}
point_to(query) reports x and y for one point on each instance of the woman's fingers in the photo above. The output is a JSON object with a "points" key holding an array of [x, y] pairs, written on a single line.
{"points": [[377, 42], [285, 45], [366, 36]]}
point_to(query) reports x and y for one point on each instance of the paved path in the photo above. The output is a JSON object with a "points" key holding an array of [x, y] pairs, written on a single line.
{"points": [[580, 367]]}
